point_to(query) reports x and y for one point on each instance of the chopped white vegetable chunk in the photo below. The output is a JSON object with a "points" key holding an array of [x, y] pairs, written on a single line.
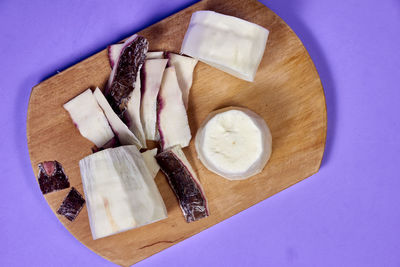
{"points": [[125, 136], [234, 142], [155, 55], [153, 71], [132, 113], [150, 160], [120, 192], [89, 118], [184, 67], [228, 43], [173, 124]]}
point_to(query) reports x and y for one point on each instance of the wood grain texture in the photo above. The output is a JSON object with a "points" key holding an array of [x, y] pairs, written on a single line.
{"points": [[287, 93]]}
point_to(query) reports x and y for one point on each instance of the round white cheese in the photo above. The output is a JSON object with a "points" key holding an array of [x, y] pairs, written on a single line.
{"points": [[234, 142]]}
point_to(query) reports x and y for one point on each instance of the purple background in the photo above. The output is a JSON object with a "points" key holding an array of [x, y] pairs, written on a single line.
{"points": [[348, 214]]}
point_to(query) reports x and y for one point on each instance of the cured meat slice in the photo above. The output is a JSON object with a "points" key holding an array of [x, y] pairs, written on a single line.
{"points": [[125, 72], [120, 192], [184, 183], [52, 177], [72, 205]]}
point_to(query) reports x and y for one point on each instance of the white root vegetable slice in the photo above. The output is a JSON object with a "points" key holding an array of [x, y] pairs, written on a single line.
{"points": [[125, 136], [184, 67], [153, 71], [172, 120], [114, 51], [228, 43], [150, 160], [155, 55], [132, 113], [234, 143], [89, 118], [120, 192]]}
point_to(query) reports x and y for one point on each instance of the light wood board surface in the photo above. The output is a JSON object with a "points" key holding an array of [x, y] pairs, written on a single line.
{"points": [[287, 93]]}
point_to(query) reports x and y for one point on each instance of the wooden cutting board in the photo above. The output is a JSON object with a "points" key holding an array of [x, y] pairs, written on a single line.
{"points": [[287, 93]]}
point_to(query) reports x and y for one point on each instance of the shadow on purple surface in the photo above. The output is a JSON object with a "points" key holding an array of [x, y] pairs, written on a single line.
{"points": [[288, 11]]}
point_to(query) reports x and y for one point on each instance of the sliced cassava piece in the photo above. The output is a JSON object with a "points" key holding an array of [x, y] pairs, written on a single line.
{"points": [[125, 136], [228, 43], [89, 118], [132, 114], [155, 55], [152, 75], [234, 143], [151, 162], [172, 121], [184, 67], [113, 53], [120, 191]]}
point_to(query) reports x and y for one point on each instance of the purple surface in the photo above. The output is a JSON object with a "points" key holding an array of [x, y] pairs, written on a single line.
{"points": [[346, 215]]}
